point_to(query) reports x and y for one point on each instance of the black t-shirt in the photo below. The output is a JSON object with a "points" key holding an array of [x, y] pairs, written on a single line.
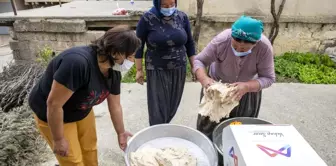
{"points": [[77, 69]]}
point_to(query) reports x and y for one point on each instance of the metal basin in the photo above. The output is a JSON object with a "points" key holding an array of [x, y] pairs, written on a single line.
{"points": [[217, 133], [172, 130]]}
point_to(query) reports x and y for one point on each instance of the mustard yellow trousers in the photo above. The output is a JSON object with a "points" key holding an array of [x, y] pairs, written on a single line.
{"points": [[82, 140]]}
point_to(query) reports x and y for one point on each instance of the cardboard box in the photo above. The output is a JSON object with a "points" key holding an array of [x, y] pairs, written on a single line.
{"points": [[267, 145]]}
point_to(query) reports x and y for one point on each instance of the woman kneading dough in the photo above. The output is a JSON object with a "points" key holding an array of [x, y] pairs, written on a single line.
{"points": [[241, 56]]}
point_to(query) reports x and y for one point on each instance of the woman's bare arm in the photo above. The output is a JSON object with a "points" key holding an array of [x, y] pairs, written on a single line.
{"points": [[58, 96], [116, 113]]}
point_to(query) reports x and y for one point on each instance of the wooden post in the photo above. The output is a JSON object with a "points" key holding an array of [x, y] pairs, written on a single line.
{"points": [[197, 29], [14, 7], [276, 17]]}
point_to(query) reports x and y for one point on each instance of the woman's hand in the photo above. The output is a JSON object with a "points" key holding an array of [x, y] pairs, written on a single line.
{"points": [[122, 139], [61, 147], [193, 77], [242, 89], [139, 77], [206, 82]]}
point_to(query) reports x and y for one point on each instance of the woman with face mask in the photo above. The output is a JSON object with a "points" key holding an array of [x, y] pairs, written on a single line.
{"points": [[242, 56], [75, 81], [166, 32]]}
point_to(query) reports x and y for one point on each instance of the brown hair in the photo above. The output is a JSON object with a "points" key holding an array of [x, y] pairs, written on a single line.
{"points": [[118, 40]]}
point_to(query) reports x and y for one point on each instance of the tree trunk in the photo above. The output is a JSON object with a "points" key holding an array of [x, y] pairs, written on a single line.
{"points": [[276, 17], [197, 28]]}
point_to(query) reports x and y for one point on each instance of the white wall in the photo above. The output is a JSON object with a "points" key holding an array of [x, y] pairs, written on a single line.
{"points": [[306, 8]]}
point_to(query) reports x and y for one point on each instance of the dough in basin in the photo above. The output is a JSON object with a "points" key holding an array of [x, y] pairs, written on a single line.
{"points": [[162, 157], [145, 157]]}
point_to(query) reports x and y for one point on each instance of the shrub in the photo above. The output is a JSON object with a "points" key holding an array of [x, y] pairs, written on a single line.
{"points": [[20, 142], [287, 68], [317, 75], [306, 68], [309, 58], [45, 55], [131, 74]]}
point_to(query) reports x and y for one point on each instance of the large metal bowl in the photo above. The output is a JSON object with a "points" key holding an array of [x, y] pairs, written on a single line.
{"points": [[217, 133], [172, 130]]}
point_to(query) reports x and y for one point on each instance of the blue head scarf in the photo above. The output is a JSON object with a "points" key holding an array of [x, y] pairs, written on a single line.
{"points": [[247, 28], [157, 7]]}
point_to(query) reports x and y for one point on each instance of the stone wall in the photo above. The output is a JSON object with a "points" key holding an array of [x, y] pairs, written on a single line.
{"points": [[305, 25], [302, 37], [314, 9], [30, 36]]}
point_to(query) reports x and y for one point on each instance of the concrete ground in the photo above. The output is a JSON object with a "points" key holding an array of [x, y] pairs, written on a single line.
{"points": [[79, 9], [310, 108], [5, 56]]}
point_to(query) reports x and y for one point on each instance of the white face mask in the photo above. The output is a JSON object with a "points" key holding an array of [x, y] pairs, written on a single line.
{"points": [[125, 67], [241, 53]]}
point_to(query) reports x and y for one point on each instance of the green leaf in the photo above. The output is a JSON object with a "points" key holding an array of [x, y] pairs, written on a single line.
{"points": [[307, 68]]}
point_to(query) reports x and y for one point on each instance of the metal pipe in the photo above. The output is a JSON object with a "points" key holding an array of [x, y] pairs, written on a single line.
{"points": [[60, 3], [14, 7]]}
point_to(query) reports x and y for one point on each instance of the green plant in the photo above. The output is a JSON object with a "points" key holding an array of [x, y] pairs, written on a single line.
{"points": [[45, 55], [309, 58], [131, 74], [287, 68], [306, 68], [317, 75], [188, 69]]}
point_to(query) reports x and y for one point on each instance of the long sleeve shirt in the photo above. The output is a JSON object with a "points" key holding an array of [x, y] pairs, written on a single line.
{"points": [[228, 68], [168, 41]]}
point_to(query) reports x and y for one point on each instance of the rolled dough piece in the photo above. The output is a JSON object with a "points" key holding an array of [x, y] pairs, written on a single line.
{"points": [[162, 157], [217, 102]]}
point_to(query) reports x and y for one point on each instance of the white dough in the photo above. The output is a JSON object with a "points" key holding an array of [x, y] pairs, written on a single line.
{"points": [[145, 157], [162, 157], [217, 101]]}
